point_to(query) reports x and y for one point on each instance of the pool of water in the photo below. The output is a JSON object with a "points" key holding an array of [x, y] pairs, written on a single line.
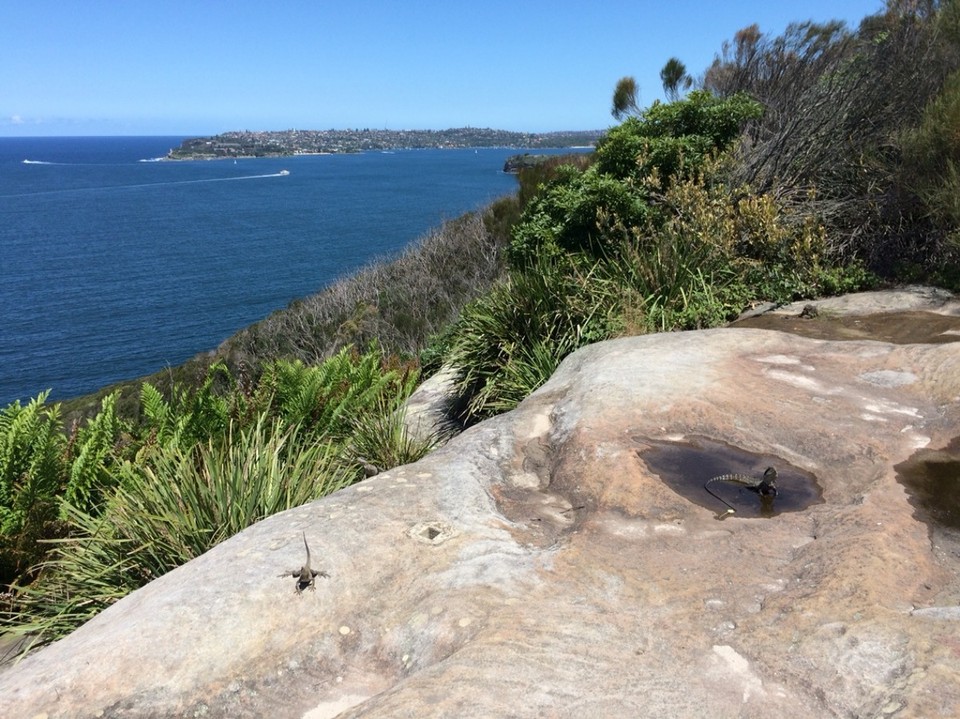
{"points": [[932, 479], [685, 466]]}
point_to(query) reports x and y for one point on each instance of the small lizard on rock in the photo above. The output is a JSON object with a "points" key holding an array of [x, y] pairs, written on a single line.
{"points": [[306, 576], [766, 487]]}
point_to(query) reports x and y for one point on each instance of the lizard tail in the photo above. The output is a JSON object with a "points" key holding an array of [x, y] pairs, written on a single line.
{"points": [[306, 546], [730, 507]]}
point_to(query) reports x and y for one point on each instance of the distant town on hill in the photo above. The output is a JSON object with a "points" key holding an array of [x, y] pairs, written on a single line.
{"points": [[282, 143]]}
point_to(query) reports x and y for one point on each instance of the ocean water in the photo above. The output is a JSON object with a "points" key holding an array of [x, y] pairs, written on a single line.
{"points": [[113, 266]]}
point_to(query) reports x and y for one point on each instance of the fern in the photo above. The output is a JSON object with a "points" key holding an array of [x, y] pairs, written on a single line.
{"points": [[92, 469], [329, 397], [32, 472], [31, 459], [190, 417], [156, 413]]}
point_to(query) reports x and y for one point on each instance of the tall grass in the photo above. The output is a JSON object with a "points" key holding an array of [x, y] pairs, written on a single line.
{"points": [[203, 467], [170, 509]]}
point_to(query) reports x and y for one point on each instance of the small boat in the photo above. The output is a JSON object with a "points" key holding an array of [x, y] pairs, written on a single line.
{"points": [[284, 172]]}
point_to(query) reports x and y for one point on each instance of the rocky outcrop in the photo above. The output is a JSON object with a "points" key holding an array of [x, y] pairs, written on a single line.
{"points": [[562, 560], [526, 161]]}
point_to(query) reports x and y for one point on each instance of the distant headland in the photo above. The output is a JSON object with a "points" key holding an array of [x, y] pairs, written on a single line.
{"points": [[284, 143]]}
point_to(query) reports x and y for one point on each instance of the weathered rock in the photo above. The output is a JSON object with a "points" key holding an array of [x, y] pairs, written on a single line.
{"points": [[537, 566], [428, 414], [903, 316], [516, 163]]}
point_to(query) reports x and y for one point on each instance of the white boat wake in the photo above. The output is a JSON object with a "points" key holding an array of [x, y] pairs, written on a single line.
{"points": [[281, 173]]}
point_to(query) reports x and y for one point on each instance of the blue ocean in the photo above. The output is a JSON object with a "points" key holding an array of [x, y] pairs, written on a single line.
{"points": [[114, 265]]}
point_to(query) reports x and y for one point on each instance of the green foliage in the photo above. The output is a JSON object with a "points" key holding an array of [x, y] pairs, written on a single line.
{"points": [[531, 181], [500, 218], [931, 159], [138, 500], [30, 458], [332, 395], [675, 79], [575, 213], [174, 507], [749, 246], [550, 309], [530, 365], [674, 139], [591, 210], [626, 98], [185, 500], [380, 437], [649, 237], [32, 472], [191, 415], [94, 458]]}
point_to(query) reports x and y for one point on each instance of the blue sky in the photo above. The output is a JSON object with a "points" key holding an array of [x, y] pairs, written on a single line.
{"points": [[198, 67]]}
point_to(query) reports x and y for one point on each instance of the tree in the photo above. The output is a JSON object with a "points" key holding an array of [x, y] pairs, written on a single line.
{"points": [[832, 140], [675, 78], [625, 98]]}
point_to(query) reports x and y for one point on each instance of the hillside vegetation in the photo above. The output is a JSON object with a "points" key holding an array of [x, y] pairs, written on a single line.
{"points": [[815, 162], [298, 142]]}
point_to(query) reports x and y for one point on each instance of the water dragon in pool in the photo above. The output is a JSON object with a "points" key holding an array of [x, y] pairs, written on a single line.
{"points": [[765, 487]]}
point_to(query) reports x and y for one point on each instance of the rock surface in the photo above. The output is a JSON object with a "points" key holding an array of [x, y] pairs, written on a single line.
{"points": [[538, 566]]}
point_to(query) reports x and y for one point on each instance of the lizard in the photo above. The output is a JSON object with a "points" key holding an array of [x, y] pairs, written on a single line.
{"points": [[766, 487], [306, 576]]}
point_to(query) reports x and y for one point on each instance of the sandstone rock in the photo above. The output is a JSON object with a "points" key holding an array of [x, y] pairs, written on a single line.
{"points": [[542, 564], [903, 316], [428, 412]]}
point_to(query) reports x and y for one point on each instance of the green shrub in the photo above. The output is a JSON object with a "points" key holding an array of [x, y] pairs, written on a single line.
{"points": [[694, 257], [594, 210], [380, 438], [329, 397], [528, 367], [191, 415], [170, 509], [576, 212], [97, 448], [532, 180], [200, 467], [676, 138], [41, 468], [931, 171]]}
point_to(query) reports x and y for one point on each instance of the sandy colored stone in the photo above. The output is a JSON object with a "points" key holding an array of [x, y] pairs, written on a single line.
{"points": [[536, 567]]}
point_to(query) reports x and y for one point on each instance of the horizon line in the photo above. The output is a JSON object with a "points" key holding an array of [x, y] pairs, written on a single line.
{"points": [[290, 129]]}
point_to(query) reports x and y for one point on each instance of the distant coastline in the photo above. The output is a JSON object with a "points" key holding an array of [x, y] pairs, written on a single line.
{"points": [[286, 143]]}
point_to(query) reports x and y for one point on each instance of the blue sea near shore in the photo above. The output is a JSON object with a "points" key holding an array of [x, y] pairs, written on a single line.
{"points": [[114, 266]]}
